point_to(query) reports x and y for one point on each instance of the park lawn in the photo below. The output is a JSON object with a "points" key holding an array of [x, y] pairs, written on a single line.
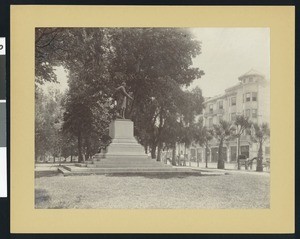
{"points": [[237, 190]]}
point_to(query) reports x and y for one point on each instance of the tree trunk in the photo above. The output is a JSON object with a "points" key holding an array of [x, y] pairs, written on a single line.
{"points": [[80, 158], [153, 152], [238, 150], [259, 166], [206, 159], [174, 155], [159, 148], [88, 150], [53, 159], [159, 145], [220, 158], [71, 154]]}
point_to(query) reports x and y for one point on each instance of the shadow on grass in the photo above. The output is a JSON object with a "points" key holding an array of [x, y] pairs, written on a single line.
{"points": [[40, 174], [41, 196], [159, 175]]}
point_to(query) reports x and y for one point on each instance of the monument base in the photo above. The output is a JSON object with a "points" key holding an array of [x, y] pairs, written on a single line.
{"points": [[124, 155], [124, 150]]}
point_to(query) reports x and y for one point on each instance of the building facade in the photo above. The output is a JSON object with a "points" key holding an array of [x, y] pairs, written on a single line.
{"points": [[249, 97]]}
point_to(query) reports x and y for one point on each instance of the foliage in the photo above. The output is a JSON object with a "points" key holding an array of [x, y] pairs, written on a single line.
{"points": [[203, 136], [48, 120], [222, 132], [260, 133], [241, 125], [51, 48], [155, 63]]}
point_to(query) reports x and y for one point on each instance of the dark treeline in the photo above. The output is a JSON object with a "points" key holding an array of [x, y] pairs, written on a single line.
{"points": [[155, 63]]}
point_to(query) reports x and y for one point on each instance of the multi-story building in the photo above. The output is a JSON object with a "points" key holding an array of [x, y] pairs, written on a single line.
{"points": [[249, 97]]}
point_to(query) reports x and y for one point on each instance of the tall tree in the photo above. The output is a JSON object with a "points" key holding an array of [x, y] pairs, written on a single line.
{"points": [[155, 63], [171, 134], [241, 124], [259, 135], [203, 138], [88, 104], [48, 118], [222, 132], [51, 49]]}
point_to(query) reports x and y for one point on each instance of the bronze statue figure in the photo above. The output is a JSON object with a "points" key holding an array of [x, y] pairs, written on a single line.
{"points": [[121, 97]]}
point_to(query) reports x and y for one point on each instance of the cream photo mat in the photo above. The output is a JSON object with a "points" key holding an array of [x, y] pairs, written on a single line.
{"points": [[278, 219]]}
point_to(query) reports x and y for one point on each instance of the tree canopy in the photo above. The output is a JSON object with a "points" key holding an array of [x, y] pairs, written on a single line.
{"points": [[155, 63]]}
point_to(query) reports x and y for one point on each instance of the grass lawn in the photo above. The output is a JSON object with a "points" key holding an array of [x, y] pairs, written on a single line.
{"points": [[236, 190]]}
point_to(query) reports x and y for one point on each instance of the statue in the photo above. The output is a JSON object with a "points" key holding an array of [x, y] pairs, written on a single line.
{"points": [[120, 97]]}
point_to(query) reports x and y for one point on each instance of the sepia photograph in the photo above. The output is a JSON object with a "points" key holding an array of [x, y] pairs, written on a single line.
{"points": [[152, 118]]}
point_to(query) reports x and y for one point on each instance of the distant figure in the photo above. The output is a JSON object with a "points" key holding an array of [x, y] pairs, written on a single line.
{"points": [[121, 98]]}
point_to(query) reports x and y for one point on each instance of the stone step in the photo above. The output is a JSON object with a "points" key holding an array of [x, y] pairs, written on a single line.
{"points": [[120, 156], [64, 170], [126, 166], [126, 160], [86, 171]]}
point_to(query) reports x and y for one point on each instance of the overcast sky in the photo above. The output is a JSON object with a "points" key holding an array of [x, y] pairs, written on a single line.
{"points": [[227, 53]]}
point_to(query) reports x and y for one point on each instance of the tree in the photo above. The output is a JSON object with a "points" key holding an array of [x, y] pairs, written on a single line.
{"points": [[41, 139], [87, 109], [48, 119], [171, 134], [241, 124], [259, 134], [222, 132], [68, 147], [155, 63], [51, 48], [203, 138]]}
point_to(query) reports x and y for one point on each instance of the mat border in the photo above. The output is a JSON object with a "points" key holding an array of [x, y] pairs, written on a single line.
{"points": [[24, 18]]}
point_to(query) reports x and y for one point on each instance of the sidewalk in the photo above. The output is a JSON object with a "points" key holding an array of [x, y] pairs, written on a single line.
{"points": [[229, 168]]}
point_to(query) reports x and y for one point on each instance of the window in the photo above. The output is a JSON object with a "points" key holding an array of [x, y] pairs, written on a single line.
{"points": [[210, 122], [233, 116], [250, 79], [254, 96], [233, 100], [254, 113], [220, 118], [247, 113], [248, 97], [221, 105], [211, 108], [245, 150]]}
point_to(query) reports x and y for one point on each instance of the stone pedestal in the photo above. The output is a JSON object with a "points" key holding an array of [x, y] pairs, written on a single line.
{"points": [[124, 150], [124, 155], [123, 143]]}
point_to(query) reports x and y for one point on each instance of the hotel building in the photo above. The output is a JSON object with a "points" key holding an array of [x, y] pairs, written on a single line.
{"points": [[249, 97]]}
